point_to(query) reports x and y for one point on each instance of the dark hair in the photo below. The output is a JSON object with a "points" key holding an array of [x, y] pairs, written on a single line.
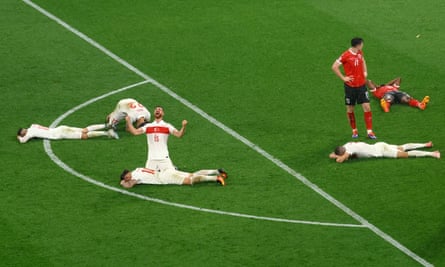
{"points": [[19, 132], [339, 151], [124, 173], [356, 41]]}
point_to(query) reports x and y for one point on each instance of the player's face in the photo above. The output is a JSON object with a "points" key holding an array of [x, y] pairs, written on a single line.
{"points": [[159, 112], [360, 46]]}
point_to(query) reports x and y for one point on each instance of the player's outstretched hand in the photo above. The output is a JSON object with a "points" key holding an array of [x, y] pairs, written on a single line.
{"points": [[184, 123]]}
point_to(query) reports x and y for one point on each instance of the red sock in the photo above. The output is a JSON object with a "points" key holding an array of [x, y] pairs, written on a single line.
{"points": [[368, 120], [413, 103], [351, 118]]}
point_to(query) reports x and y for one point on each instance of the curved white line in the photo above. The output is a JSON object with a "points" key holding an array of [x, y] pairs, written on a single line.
{"points": [[64, 166]]}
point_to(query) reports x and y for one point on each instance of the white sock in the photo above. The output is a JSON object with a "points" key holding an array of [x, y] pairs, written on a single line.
{"points": [[206, 172], [95, 127], [97, 133], [203, 178], [418, 153]]}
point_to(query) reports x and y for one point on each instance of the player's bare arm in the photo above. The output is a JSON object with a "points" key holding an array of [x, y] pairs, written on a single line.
{"points": [[129, 183], [131, 129], [371, 85], [336, 69], [181, 132], [342, 158], [397, 81], [365, 68]]}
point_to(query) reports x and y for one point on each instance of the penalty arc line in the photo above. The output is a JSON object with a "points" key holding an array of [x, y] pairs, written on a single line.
{"points": [[64, 166], [276, 161]]}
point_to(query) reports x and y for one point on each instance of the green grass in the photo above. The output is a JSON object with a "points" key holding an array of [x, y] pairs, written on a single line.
{"points": [[263, 69]]}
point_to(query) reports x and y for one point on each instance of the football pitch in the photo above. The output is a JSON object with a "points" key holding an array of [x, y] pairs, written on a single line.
{"points": [[253, 79]]}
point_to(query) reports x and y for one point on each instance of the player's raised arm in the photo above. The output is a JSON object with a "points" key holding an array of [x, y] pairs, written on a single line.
{"points": [[131, 129], [395, 81], [181, 132]]}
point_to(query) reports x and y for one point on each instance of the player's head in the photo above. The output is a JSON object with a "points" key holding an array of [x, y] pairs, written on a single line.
{"points": [[21, 132], [340, 150], [126, 175], [357, 42], [159, 112]]}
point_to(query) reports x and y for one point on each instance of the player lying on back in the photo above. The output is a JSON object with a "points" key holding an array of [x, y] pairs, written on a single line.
{"points": [[131, 108], [390, 93], [170, 176], [381, 150], [63, 132]]}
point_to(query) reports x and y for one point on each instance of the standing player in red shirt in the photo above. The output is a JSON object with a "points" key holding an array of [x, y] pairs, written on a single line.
{"points": [[390, 93], [354, 66]]}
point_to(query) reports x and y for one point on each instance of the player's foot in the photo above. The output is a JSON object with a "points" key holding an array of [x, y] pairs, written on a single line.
{"points": [[436, 154], [220, 180], [223, 173], [385, 105], [355, 133], [429, 144], [113, 134], [422, 105], [371, 135]]}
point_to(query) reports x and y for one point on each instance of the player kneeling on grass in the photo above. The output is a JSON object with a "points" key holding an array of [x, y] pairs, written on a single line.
{"points": [[63, 132], [390, 93], [131, 108], [170, 176], [381, 150]]}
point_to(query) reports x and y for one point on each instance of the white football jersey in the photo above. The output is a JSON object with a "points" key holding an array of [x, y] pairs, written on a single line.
{"points": [[157, 138], [130, 107], [363, 150]]}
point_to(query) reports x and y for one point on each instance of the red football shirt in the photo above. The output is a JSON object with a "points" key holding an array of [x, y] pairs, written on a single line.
{"points": [[353, 65], [382, 90]]}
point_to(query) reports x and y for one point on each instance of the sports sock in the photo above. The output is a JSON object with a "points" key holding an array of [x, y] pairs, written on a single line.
{"points": [[203, 178], [419, 153], [414, 103], [206, 172], [368, 120], [411, 146], [95, 127], [351, 118], [96, 134]]}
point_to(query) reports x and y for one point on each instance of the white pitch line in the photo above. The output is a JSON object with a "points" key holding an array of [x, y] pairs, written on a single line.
{"points": [[64, 166], [279, 163]]}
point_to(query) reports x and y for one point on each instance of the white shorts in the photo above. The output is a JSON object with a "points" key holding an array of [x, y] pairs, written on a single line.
{"points": [[169, 176], [66, 132], [160, 165], [386, 150]]}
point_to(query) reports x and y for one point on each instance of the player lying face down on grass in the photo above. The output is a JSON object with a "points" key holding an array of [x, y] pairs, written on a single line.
{"points": [[131, 108], [381, 150], [63, 132], [170, 176], [389, 93]]}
